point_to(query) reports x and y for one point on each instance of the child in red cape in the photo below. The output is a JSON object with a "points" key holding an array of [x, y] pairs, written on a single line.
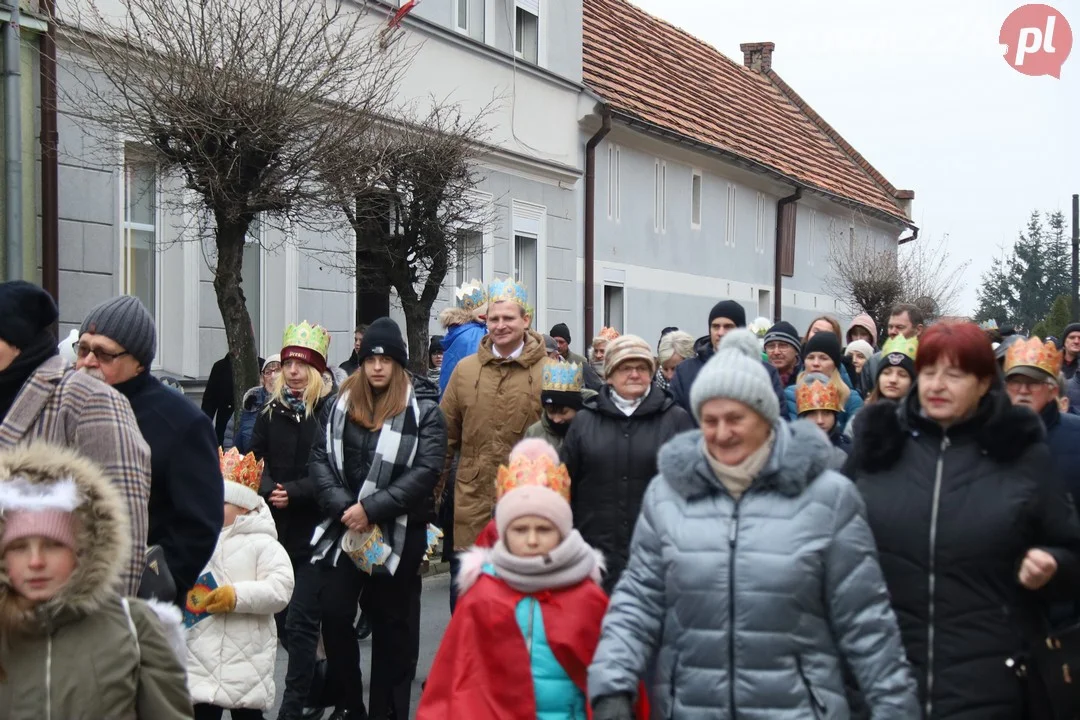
{"points": [[528, 620]]}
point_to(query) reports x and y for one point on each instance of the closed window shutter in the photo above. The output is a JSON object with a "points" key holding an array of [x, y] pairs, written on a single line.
{"points": [[786, 227], [532, 6]]}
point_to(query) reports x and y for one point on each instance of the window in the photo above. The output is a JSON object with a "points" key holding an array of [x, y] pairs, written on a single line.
{"points": [[251, 277], [660, 196], [462, 15], [761, 239], [470, 256], [614, 199], [527, 30], [525, 266], [730, 227], [140, 257], [614, 308], [695, 199], [764, 303]]}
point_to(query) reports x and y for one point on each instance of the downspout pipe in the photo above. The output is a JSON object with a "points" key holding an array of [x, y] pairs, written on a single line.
{"points": [[13, 254], [590, 220], [910, 238], [778, 276], [50, 202]]}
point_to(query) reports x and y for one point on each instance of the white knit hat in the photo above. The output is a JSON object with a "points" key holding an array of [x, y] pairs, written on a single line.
{"points": [[736, 372], [862, 347]]}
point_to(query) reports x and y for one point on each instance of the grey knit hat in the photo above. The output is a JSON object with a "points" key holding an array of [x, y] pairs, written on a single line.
{"points": [[736, 372], [125, 321]]}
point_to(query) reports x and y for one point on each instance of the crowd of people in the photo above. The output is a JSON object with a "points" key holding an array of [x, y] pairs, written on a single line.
{"points": [[784, 524]]}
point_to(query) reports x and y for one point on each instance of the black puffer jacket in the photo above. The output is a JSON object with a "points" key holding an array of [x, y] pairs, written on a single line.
{"points": [[612, 459], [411, 493], [283, 438], [953, 514]]}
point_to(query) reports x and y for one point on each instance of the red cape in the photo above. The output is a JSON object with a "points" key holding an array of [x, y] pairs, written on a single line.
{"points": [[481, 671]]}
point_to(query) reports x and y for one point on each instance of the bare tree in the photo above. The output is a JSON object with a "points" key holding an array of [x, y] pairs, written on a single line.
{"points": [[248, 101]]}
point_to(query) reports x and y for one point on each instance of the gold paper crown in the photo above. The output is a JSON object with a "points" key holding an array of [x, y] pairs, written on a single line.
{"points": [[816, 395], [241, 469], [312, 337], [902, 345], [1034, 353], [562, 377], [609, 333], [540, 472]]}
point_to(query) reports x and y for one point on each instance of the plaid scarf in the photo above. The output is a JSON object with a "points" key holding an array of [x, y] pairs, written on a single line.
{"points": [[394, 454]]}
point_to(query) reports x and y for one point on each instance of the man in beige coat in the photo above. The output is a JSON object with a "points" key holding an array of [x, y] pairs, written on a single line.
{"points": [[42, 400]]}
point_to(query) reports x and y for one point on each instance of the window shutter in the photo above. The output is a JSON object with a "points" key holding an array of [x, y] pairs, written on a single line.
{"points": [[532, 6]]}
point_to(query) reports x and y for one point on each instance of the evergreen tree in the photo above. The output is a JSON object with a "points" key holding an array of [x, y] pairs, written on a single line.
{"points": [[1029, 271], [995, 294], [1059, 255], [1054, 324]]}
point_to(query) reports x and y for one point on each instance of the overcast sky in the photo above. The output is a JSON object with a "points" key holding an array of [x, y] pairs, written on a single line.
{"points": [[921, 89]]}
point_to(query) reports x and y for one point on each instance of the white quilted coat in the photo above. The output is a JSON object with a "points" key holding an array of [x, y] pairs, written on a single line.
{"points": [[231, 655]]}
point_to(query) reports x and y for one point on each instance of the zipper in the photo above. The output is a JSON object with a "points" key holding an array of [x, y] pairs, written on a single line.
{"points": [[529, 633], [733, 539], [48, 676], [815, 702], [933, 576]]}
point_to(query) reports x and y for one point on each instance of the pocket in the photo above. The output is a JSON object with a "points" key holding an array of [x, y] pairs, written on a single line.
{"points": [[816, 704]]}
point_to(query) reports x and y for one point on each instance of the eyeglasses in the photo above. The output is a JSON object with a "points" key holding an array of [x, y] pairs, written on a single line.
{"points": [[271, 372], [105, 358]]}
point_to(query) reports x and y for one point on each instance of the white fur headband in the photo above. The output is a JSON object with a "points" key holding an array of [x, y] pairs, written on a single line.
{"points": [[19, 494]]}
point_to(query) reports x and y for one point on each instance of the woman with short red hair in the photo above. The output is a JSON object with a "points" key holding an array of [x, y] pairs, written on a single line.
{"points": [[974, 530]]}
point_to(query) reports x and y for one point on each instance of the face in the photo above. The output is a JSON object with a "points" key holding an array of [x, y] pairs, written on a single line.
{"points": [[894, 383], [38, 567], [901, 325], [531, 536], [436, 360], [357, 338], [269, 375], [598, 352], [378, 369], [103, 358], [948, 394], [819, 362], [782, 356], [732, 430], [858, 360], [506, 323], [1072, 343], [824, 419], [670, 365], [560, 415], [1029, 392], [232, 512], [860, 333], [296, 374], [564, 347], [720, 327], [820, 326], [631, 379], [8, 353]]}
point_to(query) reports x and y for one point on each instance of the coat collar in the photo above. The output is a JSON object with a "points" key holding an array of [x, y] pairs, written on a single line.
{"points": [[32, 398]]}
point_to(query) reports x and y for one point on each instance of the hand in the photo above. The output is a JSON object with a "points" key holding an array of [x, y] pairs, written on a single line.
{"points": [[221, 600], [355, 518], [1037, 569], [279, 498], [613, 707]]}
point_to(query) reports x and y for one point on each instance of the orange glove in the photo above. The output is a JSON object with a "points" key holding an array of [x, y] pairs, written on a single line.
{"points": [[221, 600]]}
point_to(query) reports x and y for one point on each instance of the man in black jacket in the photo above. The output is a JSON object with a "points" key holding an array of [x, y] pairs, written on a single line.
{"points": [[117, 342]]}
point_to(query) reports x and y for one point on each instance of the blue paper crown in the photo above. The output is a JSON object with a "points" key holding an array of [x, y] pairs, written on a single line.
{"points": [[471, 295], [562, 377], [508, 290]]}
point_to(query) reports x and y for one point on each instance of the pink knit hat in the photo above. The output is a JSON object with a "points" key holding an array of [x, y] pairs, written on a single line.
{"points": [[41, 510], [533, 483], [56, 525]]}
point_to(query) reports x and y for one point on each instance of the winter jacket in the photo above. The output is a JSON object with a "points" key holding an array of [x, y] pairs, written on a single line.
{"points": [[953, 514], [557, 698], [489, 404], [1063, 437], [283, 438], [1072, 391], [747, 609], [1069, 368], [351, 365], [217, 399], [460, 342], [411, 493], [61, 406], [611, 458], [688, 370], [853, 405], [186, 489], [254, 400], [87, 653], [231, 656]]}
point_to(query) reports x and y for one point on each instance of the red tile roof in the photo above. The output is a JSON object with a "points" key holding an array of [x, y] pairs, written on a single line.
{"points": [[652, 71]]}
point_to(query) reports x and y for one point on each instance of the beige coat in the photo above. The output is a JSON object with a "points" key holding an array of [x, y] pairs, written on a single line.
{"points": [[489, 403]]}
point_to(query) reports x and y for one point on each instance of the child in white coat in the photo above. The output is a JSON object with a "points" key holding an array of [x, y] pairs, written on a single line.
{"points": [[232, 643]]}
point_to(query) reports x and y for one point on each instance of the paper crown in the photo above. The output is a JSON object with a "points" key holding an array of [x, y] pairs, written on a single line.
{"points": [[817, 395], [508, 290], [541, 472], [562, 377], [901, 345], [1034, 353], [241, 469], [470, 295], [609, 333], [312, 337]]}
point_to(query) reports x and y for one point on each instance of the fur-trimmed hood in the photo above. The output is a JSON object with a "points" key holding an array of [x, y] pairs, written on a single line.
{"points": [[453, 316], [475, 558], [102, 538], [800, 454]]}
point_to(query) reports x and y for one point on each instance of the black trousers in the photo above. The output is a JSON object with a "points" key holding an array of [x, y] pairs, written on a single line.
{"points": [[301, 639], [213, 712]]}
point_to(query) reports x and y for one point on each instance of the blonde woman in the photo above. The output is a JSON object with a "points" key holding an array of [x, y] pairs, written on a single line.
{"points": [[674, 347]]}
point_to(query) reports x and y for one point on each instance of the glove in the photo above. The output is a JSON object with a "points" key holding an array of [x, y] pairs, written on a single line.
{"points": [[613, 707], [221, 600]]}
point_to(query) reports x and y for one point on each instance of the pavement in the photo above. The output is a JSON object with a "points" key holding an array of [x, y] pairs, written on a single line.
{"points": [[434, 617]]}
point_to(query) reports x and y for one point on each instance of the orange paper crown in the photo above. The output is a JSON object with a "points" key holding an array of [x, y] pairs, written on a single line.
{"points": [[241, 469], [542, 472], [816, 395], [609, 333], [1034, 353]]}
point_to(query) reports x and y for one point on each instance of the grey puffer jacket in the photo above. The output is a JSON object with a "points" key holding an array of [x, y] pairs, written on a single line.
{"points": [[750, 607]]}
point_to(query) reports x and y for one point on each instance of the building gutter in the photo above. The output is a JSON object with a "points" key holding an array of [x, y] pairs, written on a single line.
{"points": [[50, 199], [590, 219], [910, 238], [778, 275]]}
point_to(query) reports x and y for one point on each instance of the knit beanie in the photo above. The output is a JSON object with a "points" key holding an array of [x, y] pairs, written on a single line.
{"points": [[736, 372], [824, 342], [627, 347], [383, 337], [435, 346], [784, 332], [1069, 329], [44, 510], [862, 347], [25, 312], [863, 320], [729, 309], [124, 320], [560, 330]]}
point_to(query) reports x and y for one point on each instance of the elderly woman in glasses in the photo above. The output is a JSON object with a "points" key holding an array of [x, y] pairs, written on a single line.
{"points": [[254, 401]]}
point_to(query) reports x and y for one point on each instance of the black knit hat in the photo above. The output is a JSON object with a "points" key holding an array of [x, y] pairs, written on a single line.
{"points": [[824, 342], [1069, 329], [729, 309], [784, 332], [560, 330], [125, 320], [435, 345], [383, 337], [25, 312]]}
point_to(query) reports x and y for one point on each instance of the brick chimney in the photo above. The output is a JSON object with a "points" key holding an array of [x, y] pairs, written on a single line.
{"points": [[758, 56]]}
